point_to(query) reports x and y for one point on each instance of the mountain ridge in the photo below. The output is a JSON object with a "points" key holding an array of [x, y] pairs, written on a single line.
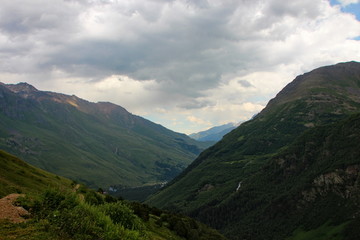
{"points": [[209, 188], [214, 134], [110, 146], [326, 73]]}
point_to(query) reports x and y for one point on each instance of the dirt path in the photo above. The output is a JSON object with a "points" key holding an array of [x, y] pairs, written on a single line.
{"points": [[9, 211]]}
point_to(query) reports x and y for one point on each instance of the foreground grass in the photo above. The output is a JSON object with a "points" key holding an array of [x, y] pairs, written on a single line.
{"points": [[62, 209], [26, 231], [85, 215]]}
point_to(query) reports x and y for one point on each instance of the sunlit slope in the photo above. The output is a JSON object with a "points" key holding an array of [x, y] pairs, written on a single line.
{"points": [[100, 144], [16, 176]]}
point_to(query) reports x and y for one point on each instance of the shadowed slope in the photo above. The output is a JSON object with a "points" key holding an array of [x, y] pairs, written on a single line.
{"points": [[207, 189]]}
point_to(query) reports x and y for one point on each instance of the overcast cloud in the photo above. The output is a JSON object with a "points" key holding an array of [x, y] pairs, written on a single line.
{"points": [[188, 65]]}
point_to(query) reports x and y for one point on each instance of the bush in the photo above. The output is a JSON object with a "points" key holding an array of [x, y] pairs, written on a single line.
{"points": [[93, 198], [86, 222], [53, 200], [141, 210], [110, 199], [122, 214], [25, 201], [66, 216]]}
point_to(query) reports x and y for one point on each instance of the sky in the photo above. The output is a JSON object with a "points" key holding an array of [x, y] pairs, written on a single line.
{"points": [[188, 65]]}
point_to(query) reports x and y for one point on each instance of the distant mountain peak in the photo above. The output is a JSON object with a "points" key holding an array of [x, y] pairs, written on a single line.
{"points": [[339, 77], [108, 107], [21, 87], [214, 134]]}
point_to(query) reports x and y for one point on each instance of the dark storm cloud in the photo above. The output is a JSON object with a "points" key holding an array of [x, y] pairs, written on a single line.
{"points": [[187, 47], [180, 42]]}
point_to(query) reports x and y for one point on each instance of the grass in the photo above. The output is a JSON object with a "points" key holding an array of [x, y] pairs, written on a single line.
{"points": [[62, 210], [159, 232], [18, 176], [324, 232], [63, 215], [26, 231]]}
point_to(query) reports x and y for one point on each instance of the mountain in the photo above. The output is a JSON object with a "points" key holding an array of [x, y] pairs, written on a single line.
{"points": [[57, 208], [100, 144], [214, 134], [18, 177], [289, 173]]}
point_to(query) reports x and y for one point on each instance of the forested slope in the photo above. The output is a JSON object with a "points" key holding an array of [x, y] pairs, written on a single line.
{"points": [[230, 185]]}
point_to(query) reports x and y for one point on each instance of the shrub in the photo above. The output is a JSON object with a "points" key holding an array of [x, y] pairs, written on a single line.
{"points": [[141, 210], [110, 199], [86, 222], [93, 198], [53, 200], [122, 214], [70, 218]]}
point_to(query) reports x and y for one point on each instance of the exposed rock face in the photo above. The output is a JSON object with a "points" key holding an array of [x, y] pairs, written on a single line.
{"points": [[343, 182], [329, 179], [206, 187]]}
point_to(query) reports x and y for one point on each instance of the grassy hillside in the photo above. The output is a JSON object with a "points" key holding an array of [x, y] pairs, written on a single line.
{"points": [[16, 176], [61, 209], [209, 189], [100, 144]]}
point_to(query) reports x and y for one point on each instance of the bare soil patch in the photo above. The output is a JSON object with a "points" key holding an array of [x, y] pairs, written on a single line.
{"points": [[11, 212]]}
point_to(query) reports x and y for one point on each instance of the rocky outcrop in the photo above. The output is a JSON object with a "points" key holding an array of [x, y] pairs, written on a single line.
{"points": [[343, 182], [206, 187]]}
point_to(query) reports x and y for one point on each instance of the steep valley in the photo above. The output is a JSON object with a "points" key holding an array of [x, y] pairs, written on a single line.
{"points": [[292, 172]]}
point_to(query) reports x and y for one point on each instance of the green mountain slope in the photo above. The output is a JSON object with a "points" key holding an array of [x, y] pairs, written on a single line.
{"points": [[311, 184], [226, 186], [61, 209], [100, 144], [16, 176]]}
